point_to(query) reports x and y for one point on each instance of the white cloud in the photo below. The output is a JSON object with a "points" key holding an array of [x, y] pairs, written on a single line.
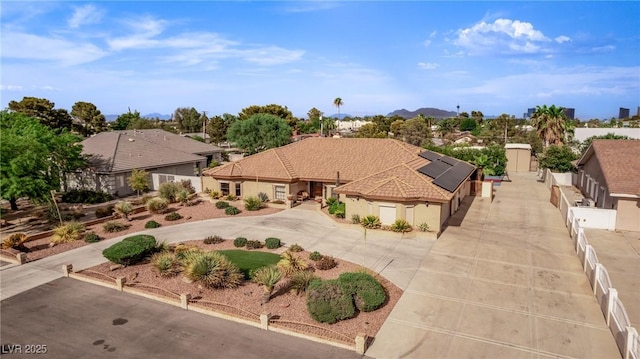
{"points": [[10, 87], [85, 15], [143, 32], [561, 39], [17, 45], [606, 48], [310, 6], [271, 55], [426, 43], [428, 65]]}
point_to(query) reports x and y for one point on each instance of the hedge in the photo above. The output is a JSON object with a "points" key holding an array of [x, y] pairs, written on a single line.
{"points": [[131, 249]]}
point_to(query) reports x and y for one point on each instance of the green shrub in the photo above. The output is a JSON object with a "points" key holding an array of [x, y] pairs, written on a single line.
{"points": [[326, 263], [123, 209], [290, 264], [186, 185], [252, 203], [166, 263], [355, 218], [91, 237], [240, 242], [86, 196], [68, 232], [367, 292], [424, 227], [254, 244], [114, 226], [371, 222], [157, 205], [145, 198], [315, 256], [222, 204], [131, 249], [214, 164], [169, 191], [184, 197], [272, 243], [558, 158], [213, 240], [263, 197], [331, 201], [212, 269], [104, 211], [173, 216], [231, 211], [296, 248], [328, 303], [299, 281], [214, 194], [152, 224], [401, 225], [231, 197]]}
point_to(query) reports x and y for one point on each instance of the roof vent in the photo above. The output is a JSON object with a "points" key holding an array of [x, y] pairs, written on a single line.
{"points": [[131, 140]]}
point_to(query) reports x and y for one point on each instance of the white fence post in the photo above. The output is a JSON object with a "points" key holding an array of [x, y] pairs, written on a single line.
{"points": [[631, 344], [611, 297], [597, 272]]}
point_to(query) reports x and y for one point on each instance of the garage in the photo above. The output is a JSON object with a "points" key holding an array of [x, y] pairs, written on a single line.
{"points": [[387, 213]]}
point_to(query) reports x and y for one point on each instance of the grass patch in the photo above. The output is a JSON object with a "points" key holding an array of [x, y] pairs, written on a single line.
{"points": [[249, 261]]}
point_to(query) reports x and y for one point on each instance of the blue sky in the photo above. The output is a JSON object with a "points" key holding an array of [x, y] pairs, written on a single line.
{"points": [[155, 56]]}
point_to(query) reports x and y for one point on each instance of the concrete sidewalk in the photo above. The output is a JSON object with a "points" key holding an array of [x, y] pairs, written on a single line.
{"points": [[395, 259], [503, 282]]}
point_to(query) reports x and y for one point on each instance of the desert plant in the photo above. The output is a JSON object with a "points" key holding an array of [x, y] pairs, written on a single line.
{"points": [[213, 240], [157, 205], [68, 232], [231, 197], [401, 225], [263, 197], [240, 242], [91, 237], [371, 222], [162, 247], [231, 211], [268, 277], [186, 184], [327, 302], [315, 256], [214, 194], [299, 281], [254, 244], [169, 191], [123, 209], [145, 198], [152, 224], [355, 218], [114, 226], [367, 292], [131, 249], [173, 216], [291, 263], [182, 250], [326, 263], [184, 197], [166, 263], [16, 241], [222, 204], [104, 211], [272, 243], [252, 203], [212, 269], [295, 248], [331, 201], [424, 227]]}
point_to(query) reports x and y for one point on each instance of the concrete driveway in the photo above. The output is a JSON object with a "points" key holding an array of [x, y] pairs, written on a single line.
{"points": [[502, 281]]}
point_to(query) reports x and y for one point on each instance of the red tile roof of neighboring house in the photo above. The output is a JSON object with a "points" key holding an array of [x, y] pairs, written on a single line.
{"points": [[620, 163], [381, 168]]}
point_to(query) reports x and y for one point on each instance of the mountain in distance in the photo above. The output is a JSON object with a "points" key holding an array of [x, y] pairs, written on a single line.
{"points": [[154, 115], [426, 111], [335, 115]]}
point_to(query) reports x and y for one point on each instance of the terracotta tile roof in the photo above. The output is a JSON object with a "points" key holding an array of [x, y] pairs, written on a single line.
{"points": [[620, 163], [118, 151], [383, 168]]}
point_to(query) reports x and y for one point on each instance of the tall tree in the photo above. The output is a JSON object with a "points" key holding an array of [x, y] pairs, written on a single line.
{"points": [[43, 110], [90, 119], [139, 180], [314, 114], [415, 131], [551, 124], [260, 132], [273, 109], [124, 121], [35, 159], [370, 130], [337, 102], [189, 119]]}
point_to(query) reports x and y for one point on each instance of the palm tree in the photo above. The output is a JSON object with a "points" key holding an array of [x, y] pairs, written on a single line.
{"points": [[268, 277], [337, 103], [551, 123]]}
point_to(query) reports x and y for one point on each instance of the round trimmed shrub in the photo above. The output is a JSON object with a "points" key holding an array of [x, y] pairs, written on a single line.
{"points": [[367, 292], [222, 204], [152, 224], [315, 256], [114, 226], [104, 211], [326, 263], [296, 248], [254, 244], [240, 242], [173, 216], [272, 243], [231, 211], [252, 203], [131, 249], [91, 237], [327, 302]]}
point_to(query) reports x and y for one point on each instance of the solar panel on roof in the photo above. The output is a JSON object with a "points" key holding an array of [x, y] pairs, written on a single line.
{"points": [[431, 156], [434, 169], [451, 179], [449, 160]]}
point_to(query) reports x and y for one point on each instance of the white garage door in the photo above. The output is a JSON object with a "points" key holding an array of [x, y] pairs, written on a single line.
{"points": [[387, 214]]}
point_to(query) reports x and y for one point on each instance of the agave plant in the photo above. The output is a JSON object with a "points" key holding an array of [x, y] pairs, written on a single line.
{"points": [[123, 209], [371, 221], [16, 241], [68, 232], [268, 277], [166, 263], [211, 269], [291, 263]]}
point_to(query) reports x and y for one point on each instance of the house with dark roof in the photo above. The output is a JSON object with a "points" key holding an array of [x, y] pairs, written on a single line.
{"points": [[384, 177], [113, 155], [609, 175]]}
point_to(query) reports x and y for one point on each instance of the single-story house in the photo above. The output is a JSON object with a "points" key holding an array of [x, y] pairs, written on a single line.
{"points": [[384, 177], [609, 174], [165, 155]]}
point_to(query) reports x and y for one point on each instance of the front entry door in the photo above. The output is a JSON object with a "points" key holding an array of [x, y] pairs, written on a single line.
{"points": [[315, 189]]}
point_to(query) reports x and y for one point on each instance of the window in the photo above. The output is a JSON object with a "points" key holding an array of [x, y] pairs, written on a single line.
{"points": [[279, 192], [238, 189], [224, 188]]}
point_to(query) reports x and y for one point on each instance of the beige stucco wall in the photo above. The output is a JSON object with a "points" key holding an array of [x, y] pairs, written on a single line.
{"points": [[247, 188], [628, 214]]}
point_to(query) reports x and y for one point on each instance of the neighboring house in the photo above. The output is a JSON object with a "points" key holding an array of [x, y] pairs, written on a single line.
{"points": [[383, 177], [464, 137], [204, 136], [609, 174], [582, 133], [165, 155]]}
